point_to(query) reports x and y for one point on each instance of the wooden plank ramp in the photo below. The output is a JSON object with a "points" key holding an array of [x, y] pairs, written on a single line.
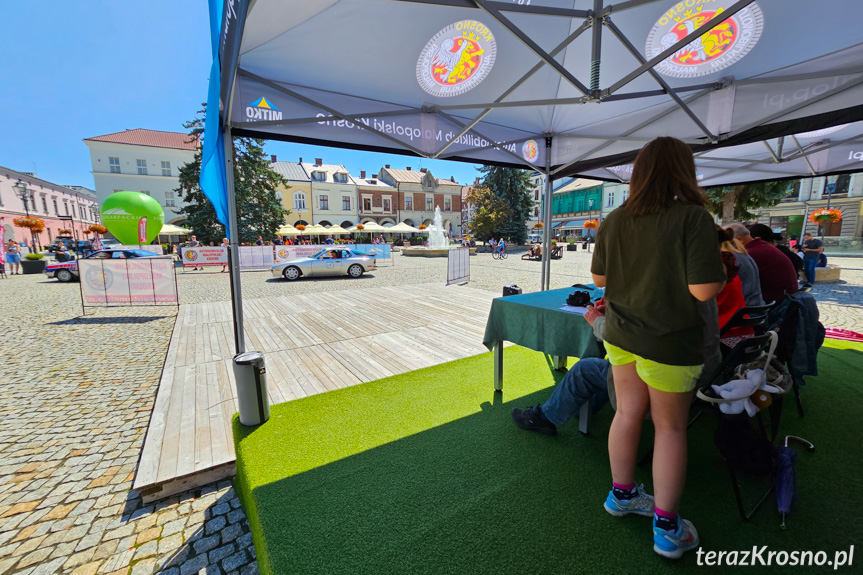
{"points": [[311, 343]]}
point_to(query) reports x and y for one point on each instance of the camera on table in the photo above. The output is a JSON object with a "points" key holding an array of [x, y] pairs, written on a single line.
{"points": [[578, 298]]}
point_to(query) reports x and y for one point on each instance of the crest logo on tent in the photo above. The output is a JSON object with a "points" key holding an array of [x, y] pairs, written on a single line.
{"points": [[711, 52], [262, 109], [530, 151], [456, 59]]}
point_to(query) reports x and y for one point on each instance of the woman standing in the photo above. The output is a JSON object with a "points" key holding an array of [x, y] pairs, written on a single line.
{"points": [[13, 257], [653, 330], [227, 246]]}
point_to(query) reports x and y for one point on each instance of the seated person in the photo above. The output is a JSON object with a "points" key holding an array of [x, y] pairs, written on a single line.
{"points": [[586, 380], [775, 270], [591, 378], [62, 253], [731, 299], [822, 261]]}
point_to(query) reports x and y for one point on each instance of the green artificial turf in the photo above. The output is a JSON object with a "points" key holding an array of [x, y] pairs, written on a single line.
{"points": [[426, 473]]}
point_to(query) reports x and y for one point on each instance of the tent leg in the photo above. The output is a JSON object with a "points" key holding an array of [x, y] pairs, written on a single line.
{"points": [[233, 250], [546, 226]]}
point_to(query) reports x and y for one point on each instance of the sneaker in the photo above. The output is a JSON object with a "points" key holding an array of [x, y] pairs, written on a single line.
{"points": [[531, 420], [806, 287], [673, 545], [641, 504]]}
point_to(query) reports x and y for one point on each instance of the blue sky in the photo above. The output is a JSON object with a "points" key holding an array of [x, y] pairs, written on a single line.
{"points": [[73, 70]]}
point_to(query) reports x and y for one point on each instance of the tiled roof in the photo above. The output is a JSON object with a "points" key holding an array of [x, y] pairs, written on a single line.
{"points": [[329, 169], [34, 181], [290, 171], [373, 183], [82, 190], [579, 184], [415, 176], [152, 138]]}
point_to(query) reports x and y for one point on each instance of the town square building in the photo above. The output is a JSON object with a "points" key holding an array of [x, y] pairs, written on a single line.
{"points": [[145, 161], [76, 205]]}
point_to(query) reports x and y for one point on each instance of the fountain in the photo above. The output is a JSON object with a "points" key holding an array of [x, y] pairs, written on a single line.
{"points": [[438, 243]]}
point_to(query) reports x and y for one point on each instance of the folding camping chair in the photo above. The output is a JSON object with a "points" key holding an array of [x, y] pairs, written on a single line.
{"points": [[745, 352]]}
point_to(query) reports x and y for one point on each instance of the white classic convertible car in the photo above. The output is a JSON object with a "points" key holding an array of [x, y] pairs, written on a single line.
{"points": [[333, 261]]}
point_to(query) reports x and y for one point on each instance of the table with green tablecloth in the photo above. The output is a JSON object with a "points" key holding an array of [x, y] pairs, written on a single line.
{"points": [[535, 320]]}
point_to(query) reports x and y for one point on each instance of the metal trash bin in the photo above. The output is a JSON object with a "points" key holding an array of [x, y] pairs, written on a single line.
{"points": [[251, 377]]}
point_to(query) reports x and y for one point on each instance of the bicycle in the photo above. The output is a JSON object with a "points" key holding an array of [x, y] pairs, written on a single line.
{"points": [[501, 255]]}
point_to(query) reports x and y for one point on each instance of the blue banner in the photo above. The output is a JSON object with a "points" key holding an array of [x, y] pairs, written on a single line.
{"points": [[212, 178]]}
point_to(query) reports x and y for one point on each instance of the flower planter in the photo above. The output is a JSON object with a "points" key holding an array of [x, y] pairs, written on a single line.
{"points": [[571, 248], [32, 266]]}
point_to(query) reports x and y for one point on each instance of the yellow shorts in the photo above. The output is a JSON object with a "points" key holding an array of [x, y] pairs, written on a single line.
{"points": [[673, 378]]}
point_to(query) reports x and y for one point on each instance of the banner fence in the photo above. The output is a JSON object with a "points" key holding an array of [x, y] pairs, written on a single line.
{"points": [[458, 266], [128, 282], [256, 257]]}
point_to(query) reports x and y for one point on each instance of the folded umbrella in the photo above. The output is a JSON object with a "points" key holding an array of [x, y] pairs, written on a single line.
{"points": [[784, 476]]}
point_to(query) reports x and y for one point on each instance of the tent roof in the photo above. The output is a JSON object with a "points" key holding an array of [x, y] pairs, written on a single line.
{"points": [[487, 81]]}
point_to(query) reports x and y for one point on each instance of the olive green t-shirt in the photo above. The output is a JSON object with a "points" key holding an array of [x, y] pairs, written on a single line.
{"points": [[649, 262]]}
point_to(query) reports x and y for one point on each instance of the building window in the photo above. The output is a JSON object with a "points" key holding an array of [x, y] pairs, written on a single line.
{"points": [[44, 204], [325, 202], [169, 199], [146, 192], [340, 178], [387, 205], [610, 202], [73, 210], [624, 195], [114, 164], [409, 202], [447, 205], [346, 203], [66, 207], [319, 176], [536, 195], [81, 212], [56, 211], [166, 168], [429, 204], [536, 212], [299, 201], [367, 204], [142, 167]]}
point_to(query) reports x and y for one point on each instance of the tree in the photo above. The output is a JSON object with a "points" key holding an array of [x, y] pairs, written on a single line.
{"points": [[490, 213], [735, 202], [512, 187], [259, 210]]}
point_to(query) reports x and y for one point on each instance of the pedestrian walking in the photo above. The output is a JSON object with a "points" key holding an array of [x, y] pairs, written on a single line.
{"points": [[225, 245]]}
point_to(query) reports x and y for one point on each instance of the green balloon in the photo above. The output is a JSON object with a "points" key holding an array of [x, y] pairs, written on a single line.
{"points": [[124, 213]]}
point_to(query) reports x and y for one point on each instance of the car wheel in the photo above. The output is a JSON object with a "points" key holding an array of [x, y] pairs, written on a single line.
{"points": [[291, 273], [355, 271], [64, 276]]}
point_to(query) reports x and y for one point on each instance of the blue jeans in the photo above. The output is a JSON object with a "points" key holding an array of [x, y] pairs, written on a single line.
{"points": [[809, 267], [587, 380]]}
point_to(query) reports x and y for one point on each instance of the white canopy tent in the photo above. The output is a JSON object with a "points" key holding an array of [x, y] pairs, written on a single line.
{"points": [[564, 87]]}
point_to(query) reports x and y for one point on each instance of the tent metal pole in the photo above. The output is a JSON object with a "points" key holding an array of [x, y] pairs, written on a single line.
{"points": [[234, 243], [596, 48], [532, 46], [688, 39], [546, 226], [805, 157], [655, 75]]}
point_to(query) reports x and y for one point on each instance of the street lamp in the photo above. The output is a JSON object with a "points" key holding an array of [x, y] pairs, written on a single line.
{"points": [[23, 192], [829, 184]]}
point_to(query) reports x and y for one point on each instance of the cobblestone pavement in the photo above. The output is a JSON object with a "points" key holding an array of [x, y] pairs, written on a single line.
{"points": [[75, 399]]}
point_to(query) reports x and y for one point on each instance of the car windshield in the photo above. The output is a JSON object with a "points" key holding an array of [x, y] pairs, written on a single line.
{"points": [[140, 253]]}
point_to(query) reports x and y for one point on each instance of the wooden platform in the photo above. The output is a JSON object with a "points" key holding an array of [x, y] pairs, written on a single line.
{"points": [[312, 343]]}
